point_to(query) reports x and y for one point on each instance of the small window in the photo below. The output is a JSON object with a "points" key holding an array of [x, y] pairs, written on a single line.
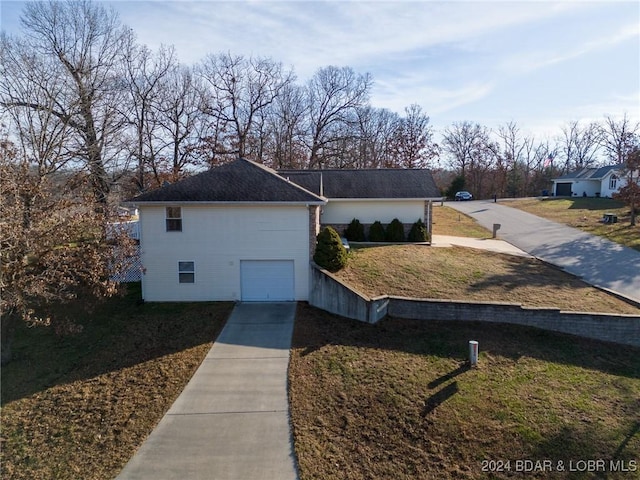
{"points": [[174, 219], [186, 272], [613, 182]]}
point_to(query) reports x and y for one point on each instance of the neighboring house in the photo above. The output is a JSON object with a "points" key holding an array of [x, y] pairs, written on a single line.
{"points": [[369, 195], [590, 182], [236, 232], [243, 232]]}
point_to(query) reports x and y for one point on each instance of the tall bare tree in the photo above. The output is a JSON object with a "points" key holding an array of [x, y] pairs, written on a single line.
{"points": [[413, 142], [579, 145], [239, 89], [144, 75], [617, 136], [79, 44], [286, 128], [333, 95]]}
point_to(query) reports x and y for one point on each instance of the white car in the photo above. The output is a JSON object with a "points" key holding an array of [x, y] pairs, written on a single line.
{"points": [[460, 196]]}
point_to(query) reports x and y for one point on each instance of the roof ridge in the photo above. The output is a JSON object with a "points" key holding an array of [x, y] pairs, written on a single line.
{"points": [[273, 172]]}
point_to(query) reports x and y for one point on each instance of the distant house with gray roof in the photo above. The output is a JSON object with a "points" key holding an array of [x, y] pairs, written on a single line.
{"points": [[590, 182]]}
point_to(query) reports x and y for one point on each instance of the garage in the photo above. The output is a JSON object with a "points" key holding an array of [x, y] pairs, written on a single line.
{"points": [[563, 189], [267, 280]]}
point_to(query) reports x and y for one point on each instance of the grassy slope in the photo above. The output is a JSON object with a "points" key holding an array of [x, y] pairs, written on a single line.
{"points": [[78, 406], [470, 274], [586, 214], [447, 221], [395, 400]]}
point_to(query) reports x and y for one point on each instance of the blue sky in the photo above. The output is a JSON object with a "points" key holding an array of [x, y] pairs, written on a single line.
{"points": [[538, 63]]}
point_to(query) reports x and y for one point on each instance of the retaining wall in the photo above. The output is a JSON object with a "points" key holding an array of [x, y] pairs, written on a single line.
{"points": [[623, 329], [331, 294]]}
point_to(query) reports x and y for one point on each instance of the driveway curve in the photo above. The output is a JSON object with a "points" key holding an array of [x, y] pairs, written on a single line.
{"points": [[596, 260]]}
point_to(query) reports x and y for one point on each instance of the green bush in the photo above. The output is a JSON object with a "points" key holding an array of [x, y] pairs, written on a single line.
{"points": [[395, 231], [377, 232], [418, 232], [355, 231], [330, 254]]}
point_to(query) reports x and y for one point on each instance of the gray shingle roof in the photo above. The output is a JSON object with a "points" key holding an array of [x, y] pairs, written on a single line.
{"points": [[381, 183], [239, 181], [590, 173]]}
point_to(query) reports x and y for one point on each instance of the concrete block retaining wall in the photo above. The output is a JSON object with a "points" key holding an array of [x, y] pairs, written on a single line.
{"points": [[623, 329], [331, 294]]}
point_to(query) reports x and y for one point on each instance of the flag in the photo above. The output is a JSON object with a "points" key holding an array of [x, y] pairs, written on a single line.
{"points": [[548, 161]]}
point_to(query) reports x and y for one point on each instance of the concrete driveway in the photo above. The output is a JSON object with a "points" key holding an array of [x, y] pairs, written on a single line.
{"points": [[596, 260], [231, 422]]}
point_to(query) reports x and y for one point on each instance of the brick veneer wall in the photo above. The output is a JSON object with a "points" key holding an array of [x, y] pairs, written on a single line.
{"points": [[314, 228]]}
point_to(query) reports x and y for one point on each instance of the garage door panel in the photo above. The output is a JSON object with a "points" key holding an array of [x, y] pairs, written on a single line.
{"points": [[267, 280]]}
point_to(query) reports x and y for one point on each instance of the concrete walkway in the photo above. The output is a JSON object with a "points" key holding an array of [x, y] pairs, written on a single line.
{"points": [[492, 245], [231, 422], [596, 260]]}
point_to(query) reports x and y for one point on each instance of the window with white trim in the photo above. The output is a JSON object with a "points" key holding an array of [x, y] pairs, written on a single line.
{"points": [[186, 272], [174, 219], [613, 182]]}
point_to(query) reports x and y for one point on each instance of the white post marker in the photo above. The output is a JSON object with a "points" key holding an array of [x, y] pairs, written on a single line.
{"points": [[473, 353]]}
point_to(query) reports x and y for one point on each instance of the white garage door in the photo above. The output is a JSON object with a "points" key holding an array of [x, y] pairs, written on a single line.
{"points": [[267, 280]]}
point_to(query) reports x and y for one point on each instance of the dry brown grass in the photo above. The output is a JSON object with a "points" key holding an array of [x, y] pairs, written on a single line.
{"points": [[447, 221], [396, 401], [459, 273], [78, 407]]}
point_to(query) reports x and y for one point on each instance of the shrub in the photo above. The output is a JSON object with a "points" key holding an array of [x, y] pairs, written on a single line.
{"points": [[418, 232], [376, 232], [330, 253], [355, 231], [395, 231]]}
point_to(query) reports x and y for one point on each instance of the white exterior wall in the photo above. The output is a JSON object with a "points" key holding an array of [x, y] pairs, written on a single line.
{"points": [[216, 238], [620, 182], [368, 211], [591, 187]]}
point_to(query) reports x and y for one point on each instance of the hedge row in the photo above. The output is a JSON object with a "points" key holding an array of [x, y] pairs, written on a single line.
{"points": [[394, 232]]}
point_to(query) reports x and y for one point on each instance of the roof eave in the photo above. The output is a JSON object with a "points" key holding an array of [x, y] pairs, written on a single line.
{"points": [[226, 203]]}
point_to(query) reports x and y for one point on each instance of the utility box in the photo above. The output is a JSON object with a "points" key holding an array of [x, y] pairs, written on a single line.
{"points": [[610, 218], [496, 227]]}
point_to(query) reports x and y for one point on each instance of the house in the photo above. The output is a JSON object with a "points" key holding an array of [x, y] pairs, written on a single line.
{"points": [[242, 231], [369, 195], [236, 232], [590, 182]]}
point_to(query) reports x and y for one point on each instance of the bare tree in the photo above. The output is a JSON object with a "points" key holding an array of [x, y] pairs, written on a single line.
{"points": [[286, 128], [617, 136], [239, 90], [471, 152], [333, 95], [144, 74], [80, 45], [630, 192], [182, 126], [579, 145], [376, 130], [413, 142]]}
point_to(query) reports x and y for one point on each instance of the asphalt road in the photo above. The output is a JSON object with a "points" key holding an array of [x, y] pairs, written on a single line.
{"points": [[596, 260]]}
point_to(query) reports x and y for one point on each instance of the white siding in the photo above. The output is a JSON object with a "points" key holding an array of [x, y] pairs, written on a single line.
{"points": [[588, 187], [217, 238], [368, 211]]}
